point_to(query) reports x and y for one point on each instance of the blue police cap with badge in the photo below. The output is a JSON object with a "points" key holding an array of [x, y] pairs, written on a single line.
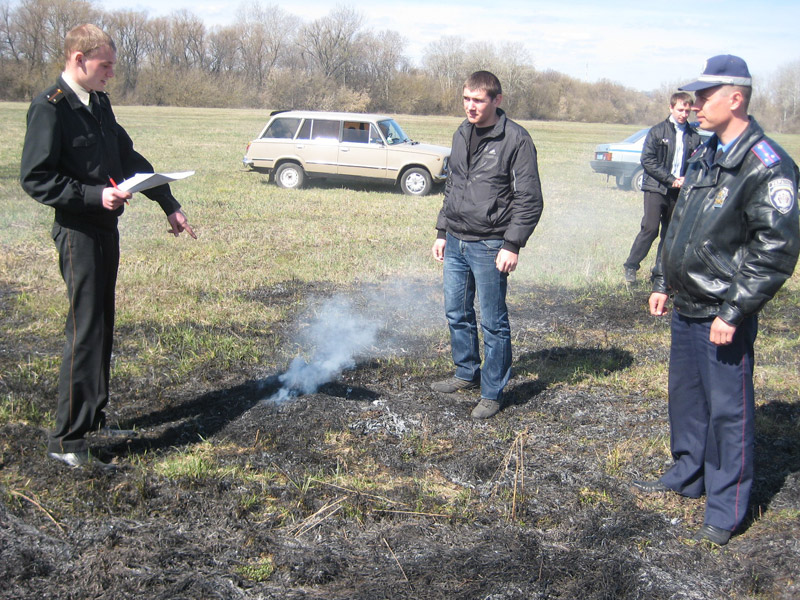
{"points": [[724, 69]]}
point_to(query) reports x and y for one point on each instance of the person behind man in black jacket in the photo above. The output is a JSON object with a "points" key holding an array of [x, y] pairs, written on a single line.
{"points": [[74, 151], [732, 243], [492, 203], [666, 148]]}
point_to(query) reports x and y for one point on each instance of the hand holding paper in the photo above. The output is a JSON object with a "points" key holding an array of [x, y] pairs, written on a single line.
{"points": [[145, 181]]}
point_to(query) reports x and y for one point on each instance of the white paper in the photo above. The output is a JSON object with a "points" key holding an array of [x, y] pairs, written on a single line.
{"points": [[145, 181]]}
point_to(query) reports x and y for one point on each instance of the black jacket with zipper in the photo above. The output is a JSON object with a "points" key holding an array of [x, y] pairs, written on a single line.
{"points": [[733, 239], [658, 153], [498, 195]]}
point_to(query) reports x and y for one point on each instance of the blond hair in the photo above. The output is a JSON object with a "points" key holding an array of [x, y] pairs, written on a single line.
{"points": [[86, 39]]}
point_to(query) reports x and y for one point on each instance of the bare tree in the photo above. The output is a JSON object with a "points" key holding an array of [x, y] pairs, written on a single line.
{"points": [[327, 43], [158, 42], [129, 30], [785, 95], [60, 17], [381, 59], [223, 49], [188, 48], [444, 60], [265, 34]]}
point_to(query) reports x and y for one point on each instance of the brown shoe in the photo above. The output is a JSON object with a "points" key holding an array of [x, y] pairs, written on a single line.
{"points": [[454, 384], [486, 408]]}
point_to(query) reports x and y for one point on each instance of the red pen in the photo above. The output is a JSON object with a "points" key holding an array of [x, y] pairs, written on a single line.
{"points": [[114, 183]]}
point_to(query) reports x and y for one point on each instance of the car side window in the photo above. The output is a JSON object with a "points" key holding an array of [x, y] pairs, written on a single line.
{"points": [[325, 130], [374, 135], [356, 132], [305, 131], [282, 129]]}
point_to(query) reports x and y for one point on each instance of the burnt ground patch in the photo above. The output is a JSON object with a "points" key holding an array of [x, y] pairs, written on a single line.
{"points": [[376, 487]]}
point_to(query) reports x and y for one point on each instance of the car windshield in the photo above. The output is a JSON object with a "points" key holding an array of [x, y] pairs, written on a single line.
{"points": [[392, 132], [636, 136]]}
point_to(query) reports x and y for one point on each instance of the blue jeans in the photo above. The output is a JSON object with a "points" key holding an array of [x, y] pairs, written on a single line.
{"points": [[711, 413], [470, 267]]}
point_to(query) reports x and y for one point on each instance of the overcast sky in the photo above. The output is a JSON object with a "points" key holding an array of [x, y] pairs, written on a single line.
{"points": [[638, 44]]}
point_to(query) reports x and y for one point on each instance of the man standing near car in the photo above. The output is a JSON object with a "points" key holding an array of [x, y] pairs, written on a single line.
{"points": [[666, 148], [74, 151], [492, 203], [732, 243]]}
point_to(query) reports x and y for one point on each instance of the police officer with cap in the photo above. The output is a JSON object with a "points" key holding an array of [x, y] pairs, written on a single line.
{"points": [[732, 243]]}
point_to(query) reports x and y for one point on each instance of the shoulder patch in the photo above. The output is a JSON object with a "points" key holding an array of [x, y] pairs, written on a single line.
{"points": [[782, 194], [55, 96], [766, 154]]}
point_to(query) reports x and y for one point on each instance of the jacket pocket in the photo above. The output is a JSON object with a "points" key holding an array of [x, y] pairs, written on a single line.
{"points": [[716, 263], [84, 141]]}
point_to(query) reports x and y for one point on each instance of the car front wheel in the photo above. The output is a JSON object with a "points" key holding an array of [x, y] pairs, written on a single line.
{"points": [[290, 176], [416, 182]]}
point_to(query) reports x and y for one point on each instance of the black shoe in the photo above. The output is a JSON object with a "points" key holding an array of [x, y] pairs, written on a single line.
{"points": [[651, 487], [630, 275], [454, 384], [715, 535], [80, 459]]}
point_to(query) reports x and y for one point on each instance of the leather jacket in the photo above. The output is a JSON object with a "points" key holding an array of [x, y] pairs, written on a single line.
{"points": [[734, 237], [498, 196], [658, 152]]}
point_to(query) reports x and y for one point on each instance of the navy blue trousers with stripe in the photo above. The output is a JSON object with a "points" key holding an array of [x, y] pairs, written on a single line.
{"points": [[711, 413]]}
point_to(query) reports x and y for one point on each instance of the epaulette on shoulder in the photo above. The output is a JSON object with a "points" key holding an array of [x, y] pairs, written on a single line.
{"points": [[766, 154], [56, 96]]}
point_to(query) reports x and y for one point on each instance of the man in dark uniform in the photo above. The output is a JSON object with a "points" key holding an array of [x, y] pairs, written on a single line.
{"points": [[732, 243], [666, 148], [74, 150]]}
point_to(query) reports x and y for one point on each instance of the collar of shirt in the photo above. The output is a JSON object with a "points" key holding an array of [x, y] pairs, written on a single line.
{"points": [[82, 94], [678, 126], [726, 147]]}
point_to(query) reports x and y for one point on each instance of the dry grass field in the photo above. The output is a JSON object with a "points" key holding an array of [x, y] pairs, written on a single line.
{"points": [[366, 484]]}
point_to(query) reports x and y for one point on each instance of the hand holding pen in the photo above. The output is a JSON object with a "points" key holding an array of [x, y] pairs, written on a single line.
{"points": [[113, 197]]}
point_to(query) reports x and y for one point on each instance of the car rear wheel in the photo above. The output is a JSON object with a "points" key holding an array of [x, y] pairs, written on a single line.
{"points": [[290, 176], [416, 182], [637, 180]]}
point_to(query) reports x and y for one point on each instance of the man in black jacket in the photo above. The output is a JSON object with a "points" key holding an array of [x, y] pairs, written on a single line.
{"points": [[732, 243], [492, 203], [666, 148], [74, 150]]}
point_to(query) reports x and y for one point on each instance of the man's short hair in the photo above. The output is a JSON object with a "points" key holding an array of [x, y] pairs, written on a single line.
{"points": [[681, 97], [86, 39], [746, 92], [486, 81]]}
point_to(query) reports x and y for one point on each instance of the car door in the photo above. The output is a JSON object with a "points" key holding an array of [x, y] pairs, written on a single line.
{"points": [[362, 151], [317, 143]]}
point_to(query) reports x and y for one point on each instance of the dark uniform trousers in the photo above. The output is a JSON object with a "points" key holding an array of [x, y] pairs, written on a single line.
{"points": [[657, 211], [711, 411], [89, 259]]}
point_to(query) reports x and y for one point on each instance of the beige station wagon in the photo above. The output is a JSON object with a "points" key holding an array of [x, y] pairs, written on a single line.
{"points": [[296, 145]]}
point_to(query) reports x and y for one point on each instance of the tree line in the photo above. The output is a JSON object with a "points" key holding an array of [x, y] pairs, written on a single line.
{"points": [[270, 58]]}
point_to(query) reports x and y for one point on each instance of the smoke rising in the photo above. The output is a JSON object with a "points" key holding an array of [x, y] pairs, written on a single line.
{"points": [[335, 332]]}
